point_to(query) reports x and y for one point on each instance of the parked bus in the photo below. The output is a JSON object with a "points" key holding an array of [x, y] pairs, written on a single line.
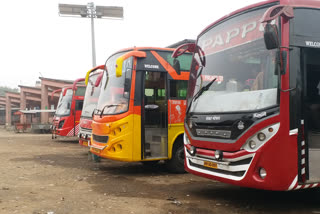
{"points": [[253, 97], [92, 81], [140, 111], [67, 115]]}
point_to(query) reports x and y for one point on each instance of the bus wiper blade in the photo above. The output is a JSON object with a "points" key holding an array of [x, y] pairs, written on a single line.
{"points": [[95, 110], [107, 106], [200, 92], [203, 89]]}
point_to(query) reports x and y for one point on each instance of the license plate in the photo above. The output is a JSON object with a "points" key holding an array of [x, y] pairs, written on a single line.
{"points": [[85, 143], [96, 150], [210, 164]]}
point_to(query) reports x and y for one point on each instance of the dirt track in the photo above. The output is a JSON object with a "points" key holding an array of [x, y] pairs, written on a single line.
{"points": [[38, 175]]}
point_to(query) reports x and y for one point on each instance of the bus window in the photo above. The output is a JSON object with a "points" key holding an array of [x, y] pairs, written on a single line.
{"points": [[178, 89], [79, 105]]}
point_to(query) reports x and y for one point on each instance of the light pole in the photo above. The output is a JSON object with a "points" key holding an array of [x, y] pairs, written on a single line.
{"points": [[91, 11]]}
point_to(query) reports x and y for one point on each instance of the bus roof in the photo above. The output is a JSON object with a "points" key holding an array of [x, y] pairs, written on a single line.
{"points": [[299, 3], [142, 49]]}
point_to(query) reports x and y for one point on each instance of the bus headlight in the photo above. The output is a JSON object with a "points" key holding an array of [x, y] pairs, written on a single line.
{"points": [[186, 139], [193, 150], [252, 144], [61, 123], [260, 138]]}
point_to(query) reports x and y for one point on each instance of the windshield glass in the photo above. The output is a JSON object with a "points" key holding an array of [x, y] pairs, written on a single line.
{"points": [[91, 96], [115, 91], [233, 53], [64, 105]]}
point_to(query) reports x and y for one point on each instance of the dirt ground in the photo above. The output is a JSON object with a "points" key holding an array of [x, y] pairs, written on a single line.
{"points": [[39, 175]]}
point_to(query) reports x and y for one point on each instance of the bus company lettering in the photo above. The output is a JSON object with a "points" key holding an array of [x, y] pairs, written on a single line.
{"points": [[213, 118], [259, 115], [219, 79], [151, 66], [232, 36], [313, 44]]}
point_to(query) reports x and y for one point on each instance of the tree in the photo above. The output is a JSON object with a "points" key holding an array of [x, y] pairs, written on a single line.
{"points": [[4, 89]]}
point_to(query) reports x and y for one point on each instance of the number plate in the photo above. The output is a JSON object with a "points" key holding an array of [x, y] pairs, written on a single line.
{"points": [[96, 150], [85, 143], [210, 164]]}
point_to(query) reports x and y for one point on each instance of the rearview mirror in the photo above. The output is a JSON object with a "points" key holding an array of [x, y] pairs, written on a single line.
{"points": [[183, 48], [271, 38], [92, 70], [176, 65], [97, 83], [121, 59]]}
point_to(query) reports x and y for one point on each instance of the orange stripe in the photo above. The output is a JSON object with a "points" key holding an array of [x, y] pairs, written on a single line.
{"points": [[170, 69]]}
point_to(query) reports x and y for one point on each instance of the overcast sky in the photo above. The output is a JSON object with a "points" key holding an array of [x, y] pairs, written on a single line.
{"points": [[35, 41]]}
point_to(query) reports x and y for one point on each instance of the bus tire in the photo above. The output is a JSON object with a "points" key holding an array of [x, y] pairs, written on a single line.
{"points": [[176, 163], [95, 158]]}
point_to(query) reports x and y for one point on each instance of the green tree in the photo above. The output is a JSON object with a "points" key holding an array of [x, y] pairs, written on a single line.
{"points": [[3, 90]]}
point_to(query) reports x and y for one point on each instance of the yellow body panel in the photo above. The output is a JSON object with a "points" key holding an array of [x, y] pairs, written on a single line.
{"points": [[174, 130], [124, 142], [120, 143]]}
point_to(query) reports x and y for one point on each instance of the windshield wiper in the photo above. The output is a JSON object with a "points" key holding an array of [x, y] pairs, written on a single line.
{"points": [[200, 92], [107, 106]]}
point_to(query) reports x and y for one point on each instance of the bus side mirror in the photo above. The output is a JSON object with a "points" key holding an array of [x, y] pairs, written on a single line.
{"points": [[176, 65], [121, 59], [271, 39], [119, 63], [86, 79], [271, 36], [183, 48], [97, 83]]}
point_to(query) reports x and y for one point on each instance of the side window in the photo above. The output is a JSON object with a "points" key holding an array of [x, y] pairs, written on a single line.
{"points": [[79, 105], [178, 89], [80, 91]]}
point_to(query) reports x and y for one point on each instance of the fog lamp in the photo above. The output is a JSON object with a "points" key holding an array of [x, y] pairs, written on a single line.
{"points": [[218, 154], [193, 150], [252, 144], [261, 136], [262, 173]]}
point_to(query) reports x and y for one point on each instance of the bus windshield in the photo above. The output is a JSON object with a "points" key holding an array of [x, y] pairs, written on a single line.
{"points": [[91, 96], [115, 91], [64, 105], [232, 71]]}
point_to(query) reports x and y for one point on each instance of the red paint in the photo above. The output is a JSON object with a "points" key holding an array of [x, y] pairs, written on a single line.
{"points": [[70, 125], [278, 156]]}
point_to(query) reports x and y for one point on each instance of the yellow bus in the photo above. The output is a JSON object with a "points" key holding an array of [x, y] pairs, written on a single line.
{"points": [[141, 107]]}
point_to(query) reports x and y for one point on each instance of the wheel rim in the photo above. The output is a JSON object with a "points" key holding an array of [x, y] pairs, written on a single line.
{"points": [[180, 155]]}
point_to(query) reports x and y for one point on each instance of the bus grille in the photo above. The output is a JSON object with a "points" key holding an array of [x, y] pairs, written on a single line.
{"points": [[100, 139], [232, 169]]}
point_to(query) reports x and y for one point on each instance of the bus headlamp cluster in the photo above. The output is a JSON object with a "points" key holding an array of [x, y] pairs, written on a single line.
{"points": [[189, 123], [61, 123], [186, 140], [260, 138]]}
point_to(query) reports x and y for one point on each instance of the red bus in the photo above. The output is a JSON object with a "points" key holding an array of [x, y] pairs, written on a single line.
{"points": [[253, 101], [92, 80], [67, 115]]}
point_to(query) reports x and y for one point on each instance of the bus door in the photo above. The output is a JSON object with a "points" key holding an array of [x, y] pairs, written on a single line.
{"points": [[311, 111], [155, 116]]}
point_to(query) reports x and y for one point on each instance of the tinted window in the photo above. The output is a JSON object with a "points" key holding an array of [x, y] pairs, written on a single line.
{"points": [[178, 89]]}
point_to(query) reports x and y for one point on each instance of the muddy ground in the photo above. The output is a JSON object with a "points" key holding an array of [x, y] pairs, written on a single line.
{"points": [[39, 175]]}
